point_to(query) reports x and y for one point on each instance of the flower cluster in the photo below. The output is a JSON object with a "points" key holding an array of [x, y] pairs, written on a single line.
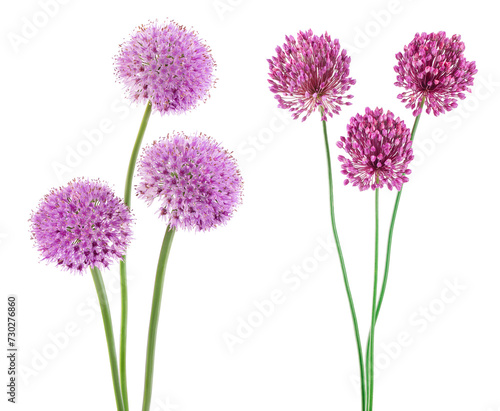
{"points": [[81, 225], [196, 181], [310, 72], [434, 69], [380, 148], [167, 65]]}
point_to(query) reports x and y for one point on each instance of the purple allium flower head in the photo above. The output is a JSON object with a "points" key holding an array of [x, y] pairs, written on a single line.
{"points": [[310, 72], [81, 225], [380, 148], [433, 67], [167, 65], [196, 181]]}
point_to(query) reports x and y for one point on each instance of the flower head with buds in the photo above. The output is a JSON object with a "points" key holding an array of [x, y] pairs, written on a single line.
{"points": [[310, 72], [167, 65], [196, 181], [380, 148], [81, 225], [434, 72]]}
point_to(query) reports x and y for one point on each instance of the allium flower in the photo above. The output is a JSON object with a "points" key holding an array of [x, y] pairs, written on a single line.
{"points": [[167, 65], [196, 181], [433, 67], [310, 72], [380, 148], [81, 225]]}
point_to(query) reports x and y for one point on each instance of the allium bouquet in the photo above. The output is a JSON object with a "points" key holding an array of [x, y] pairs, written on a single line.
{"points": [[311, 73], [196, 181]]}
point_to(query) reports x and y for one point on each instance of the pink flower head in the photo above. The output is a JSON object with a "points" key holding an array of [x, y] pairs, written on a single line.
{"points": [[81, 225], [380, 149], [196, 181], [167, 65], [434, 68], [310, 72]]}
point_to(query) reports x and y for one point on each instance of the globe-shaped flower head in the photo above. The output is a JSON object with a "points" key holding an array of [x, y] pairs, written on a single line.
{"points": [[167, 65], [196, 181], [310, 72], [434, 68], [81, 225], [380, 148]]}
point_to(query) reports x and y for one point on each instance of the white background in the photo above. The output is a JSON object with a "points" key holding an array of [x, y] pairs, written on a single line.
{"points": [[58, 85]]}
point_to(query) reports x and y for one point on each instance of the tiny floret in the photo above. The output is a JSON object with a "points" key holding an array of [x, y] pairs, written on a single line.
{"points": [[81, 225], [196, 181], [380, 148], [166, 64], [433, 68], [310, 72]]}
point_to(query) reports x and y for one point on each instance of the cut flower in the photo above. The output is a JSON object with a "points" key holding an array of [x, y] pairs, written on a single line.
{"points": [[310, 72], [380, 148], [196, 181], [82, 225]]}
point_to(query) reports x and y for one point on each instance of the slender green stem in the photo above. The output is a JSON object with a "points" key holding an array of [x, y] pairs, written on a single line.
{"points": [[123, 331], [155, 315], [367, 364], [344, 271], [135, 153], [393, 221], [123, 263], [388, 253], [108, 328], [371, 344]]}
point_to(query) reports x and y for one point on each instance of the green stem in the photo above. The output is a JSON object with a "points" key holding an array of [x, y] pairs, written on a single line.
{"points": [[389, 245], [344, 271], [123, 262], [367, 362], [393, 221], [155, 315], [135, 153], [108, 328], [369, 365], [123, 331]]}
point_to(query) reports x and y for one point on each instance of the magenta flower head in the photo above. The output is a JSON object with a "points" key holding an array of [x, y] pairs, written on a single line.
{"points": [[434, 68], [167, 65], [81, 225], [380, 148], [196, 181], [310, 72]]}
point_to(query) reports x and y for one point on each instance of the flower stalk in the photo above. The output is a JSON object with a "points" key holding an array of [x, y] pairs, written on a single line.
{"points": [[378, 301], [155, 315], [344, 270], [123, 262], [110, 339], [393, 222], [369, 365]]}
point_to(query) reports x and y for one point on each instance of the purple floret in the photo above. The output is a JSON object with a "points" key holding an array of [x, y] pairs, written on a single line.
{"points": [[166, 64], [380, 148], [310, 72], [196, 181], [433, 67], [81, 225]]}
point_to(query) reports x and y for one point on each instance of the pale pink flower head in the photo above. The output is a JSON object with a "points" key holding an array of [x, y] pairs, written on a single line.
{"points": [[433, 67], [82, 225], [166, 64], [380, 148], [310, 72]]}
